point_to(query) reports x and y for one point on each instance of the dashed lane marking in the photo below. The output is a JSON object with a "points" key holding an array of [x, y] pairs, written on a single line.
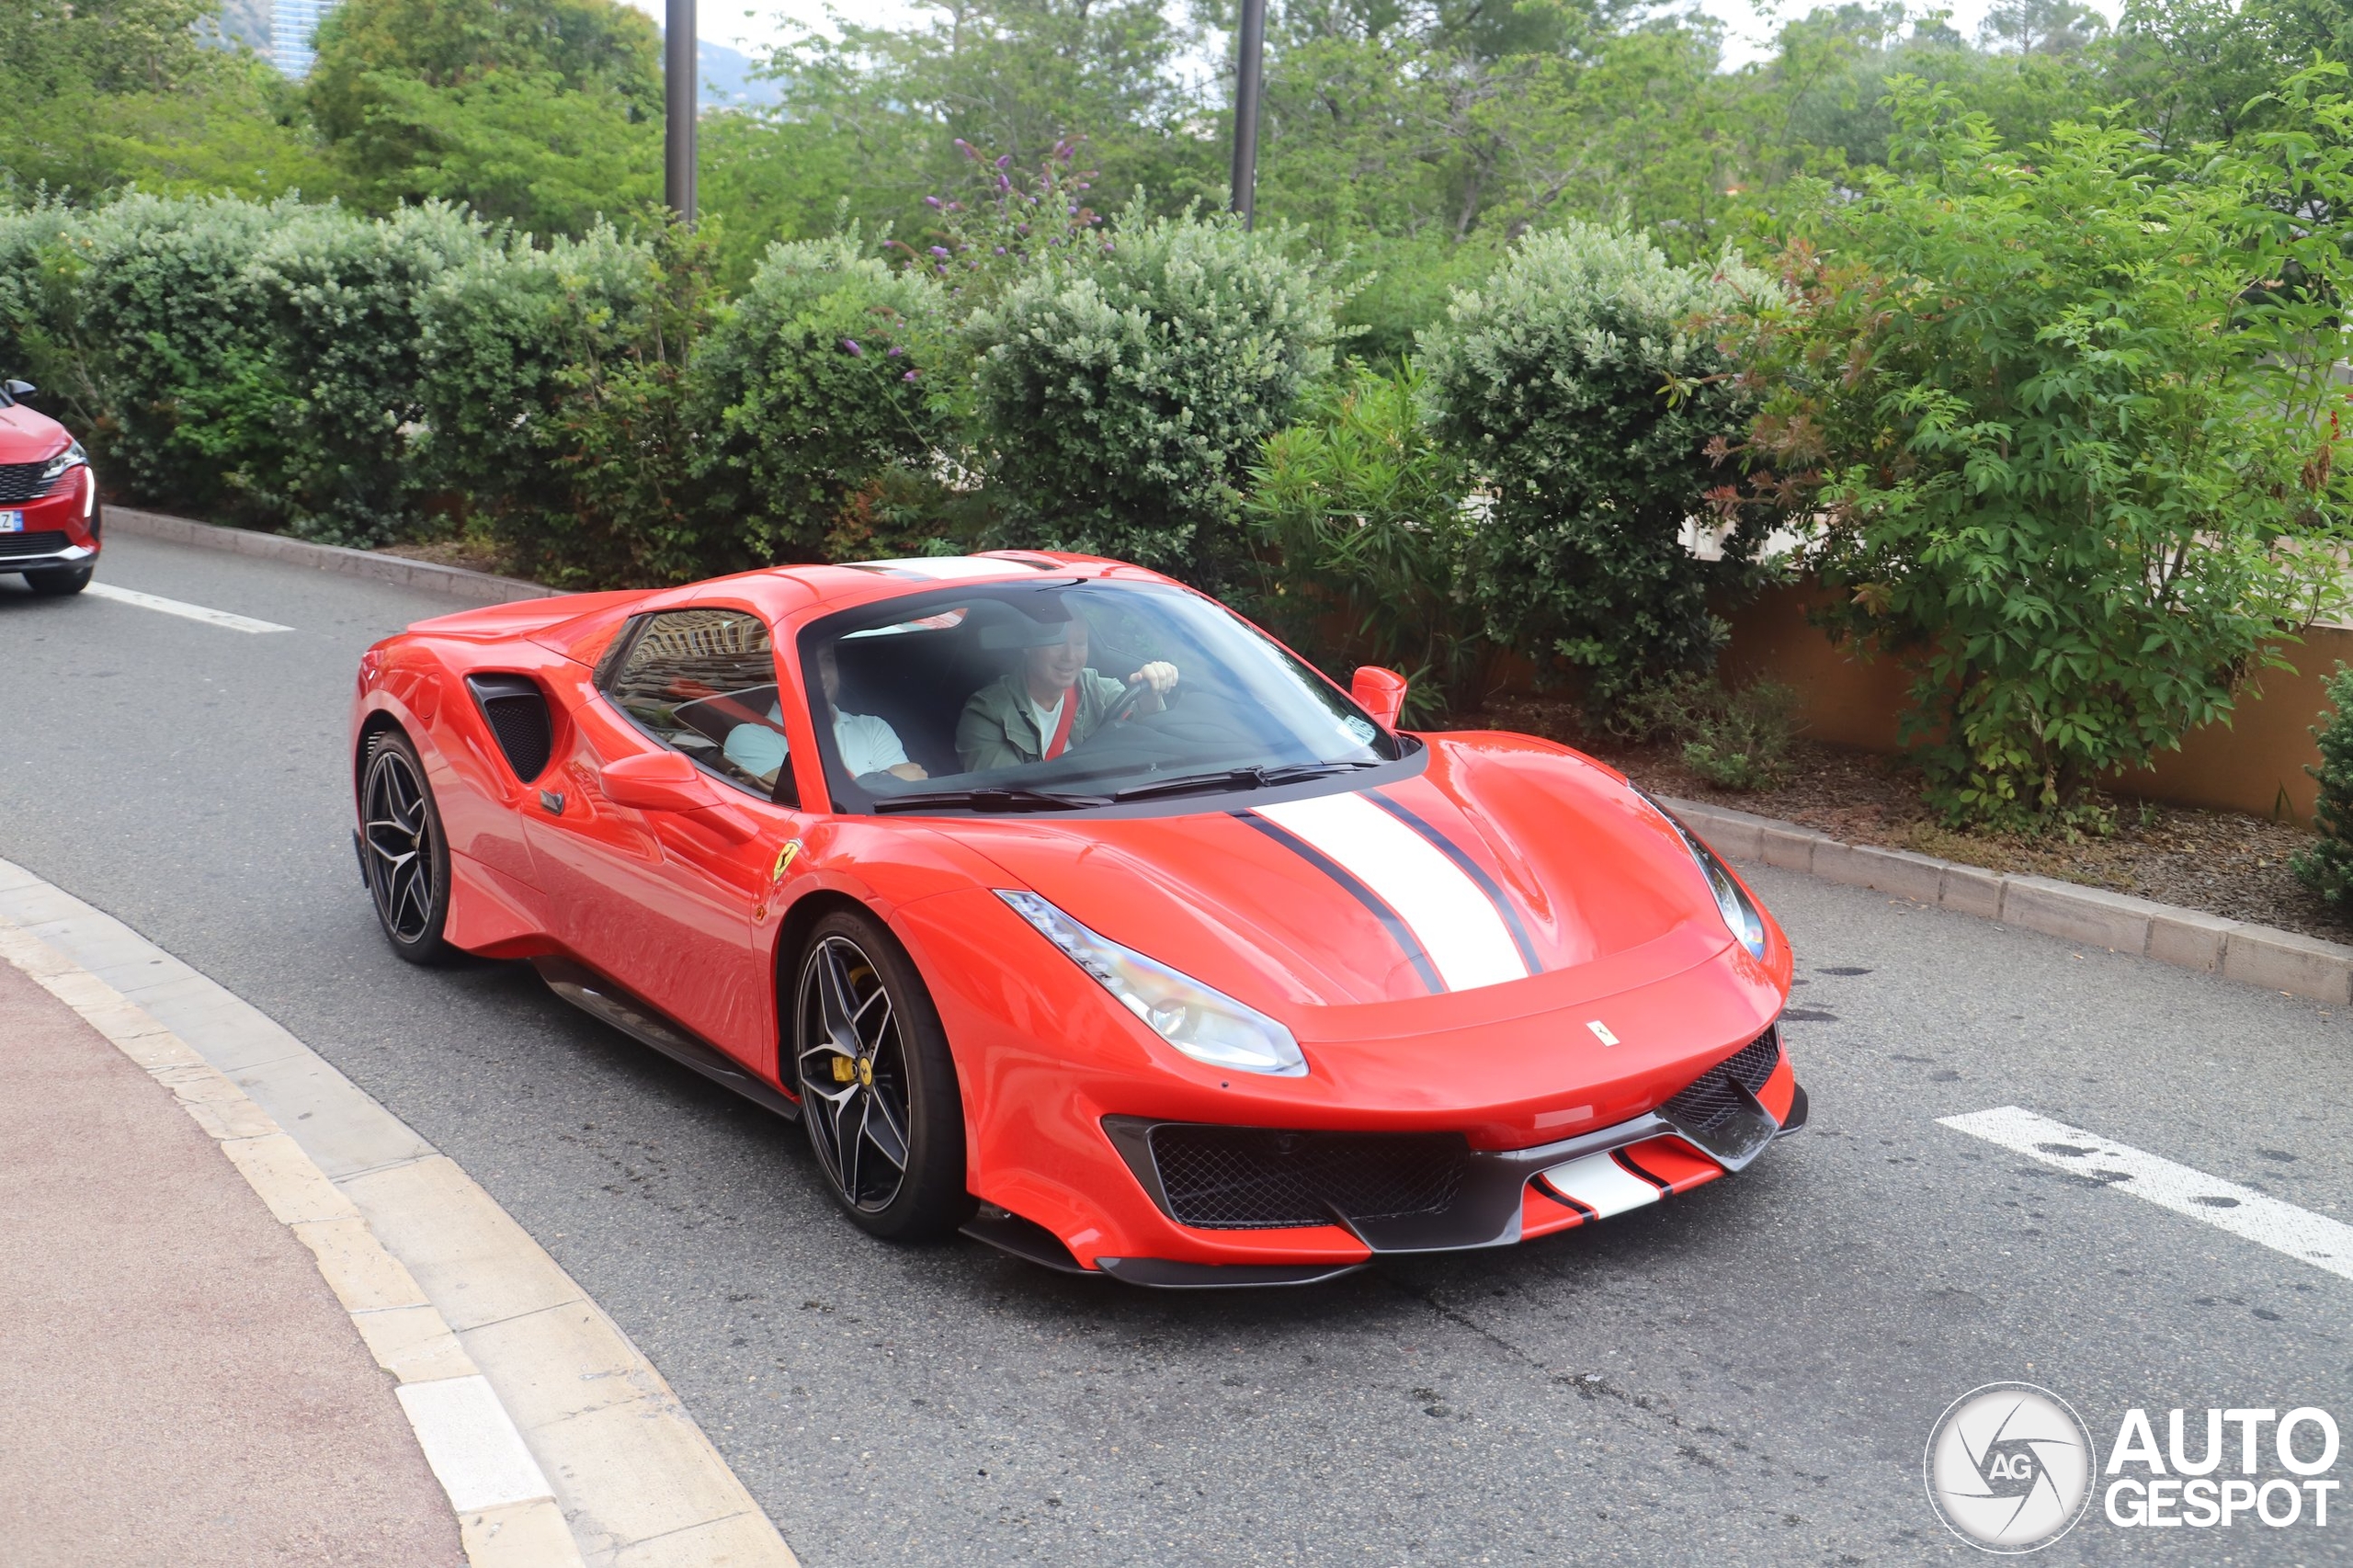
{"points": [[2250, 1215], [185, 612]]}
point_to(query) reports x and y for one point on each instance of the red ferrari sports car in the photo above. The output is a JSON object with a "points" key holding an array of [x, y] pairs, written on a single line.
{"points": [[1063, 905], [48, 499]]}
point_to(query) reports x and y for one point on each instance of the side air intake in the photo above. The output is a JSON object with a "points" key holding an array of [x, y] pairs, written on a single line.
{"points": [[518, 712]]}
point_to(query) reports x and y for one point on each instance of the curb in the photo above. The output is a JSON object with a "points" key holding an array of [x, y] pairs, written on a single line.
{"points": [[479, 588], [559, 1444], [2187, 939]]}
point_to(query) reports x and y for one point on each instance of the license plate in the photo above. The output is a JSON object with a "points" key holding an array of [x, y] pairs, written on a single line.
{"points": [[12, 522]]}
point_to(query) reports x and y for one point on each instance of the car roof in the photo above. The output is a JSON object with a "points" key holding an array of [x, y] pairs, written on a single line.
{"points": [[794, 592]]}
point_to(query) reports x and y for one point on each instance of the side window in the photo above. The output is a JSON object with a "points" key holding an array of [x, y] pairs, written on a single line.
{"points": [[704, 681]]}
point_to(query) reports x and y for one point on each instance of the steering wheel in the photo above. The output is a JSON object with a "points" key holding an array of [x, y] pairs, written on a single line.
{"points": [[1125, 708]]}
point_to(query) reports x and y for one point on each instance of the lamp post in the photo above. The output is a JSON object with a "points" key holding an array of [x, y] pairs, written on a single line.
{"points": [[1250, 50], [679, 89]]}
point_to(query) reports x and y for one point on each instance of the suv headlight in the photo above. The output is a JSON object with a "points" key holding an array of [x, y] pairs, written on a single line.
{"points": [[1741, 916], [71, 457], [1206, 1024]]}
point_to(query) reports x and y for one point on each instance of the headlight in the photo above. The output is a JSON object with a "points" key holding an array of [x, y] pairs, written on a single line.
{"points": [[1208, 1025], [56, 466], [1741, 916]]}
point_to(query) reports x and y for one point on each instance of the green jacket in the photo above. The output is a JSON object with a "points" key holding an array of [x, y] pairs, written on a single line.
{"points": [[999, 728]]}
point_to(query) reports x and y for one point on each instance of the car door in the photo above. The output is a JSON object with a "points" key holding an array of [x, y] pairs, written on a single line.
{"points": [[663, 896]]}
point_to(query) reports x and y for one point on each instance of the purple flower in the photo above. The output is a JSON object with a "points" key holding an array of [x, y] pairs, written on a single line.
{"points": [[939, 250], [931, 201], [1006, 161], [1002, 183], [1000, 250], [851, 348], [908, 377], [895, 351]]}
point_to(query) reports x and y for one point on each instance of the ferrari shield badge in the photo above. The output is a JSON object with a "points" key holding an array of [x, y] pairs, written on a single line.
{"points": [[785, 856]]}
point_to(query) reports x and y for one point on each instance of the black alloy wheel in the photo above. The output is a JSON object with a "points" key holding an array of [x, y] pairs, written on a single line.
{"points": [[878, 1086], [403, 852]]}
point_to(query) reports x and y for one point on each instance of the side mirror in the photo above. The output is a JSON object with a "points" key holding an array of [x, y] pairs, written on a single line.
{"points": [[655, 781], [18, 389], [1379, 692]]}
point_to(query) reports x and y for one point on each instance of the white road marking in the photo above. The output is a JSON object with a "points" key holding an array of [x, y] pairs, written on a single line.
{"points": [[185, 612], [1457, 925], [472, 1443], [1602, 1185], [2299, 1233]]}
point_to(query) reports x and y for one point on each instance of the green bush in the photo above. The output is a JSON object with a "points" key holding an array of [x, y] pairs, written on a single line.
{"points": [[1553, 378], [186, 388], [1125, 382], [1736, 739], [1359, 512], [830, 373], [345, 302], [2327, 867], [2016, 403]]}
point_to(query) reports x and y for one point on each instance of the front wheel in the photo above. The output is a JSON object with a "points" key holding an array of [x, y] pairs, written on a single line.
{"points": [[878, 1086], [407, 857], [59, 582]]}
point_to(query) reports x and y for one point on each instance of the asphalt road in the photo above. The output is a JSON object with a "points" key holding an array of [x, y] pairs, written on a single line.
{"points": [[1744, 1375]]}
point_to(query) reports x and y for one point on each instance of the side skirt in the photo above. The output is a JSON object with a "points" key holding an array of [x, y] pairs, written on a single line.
{"points": [[601, 999]]}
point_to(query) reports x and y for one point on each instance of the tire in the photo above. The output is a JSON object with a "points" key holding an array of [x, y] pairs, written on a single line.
{"points": [[405, 853], [888, 1131], [58, 581]]}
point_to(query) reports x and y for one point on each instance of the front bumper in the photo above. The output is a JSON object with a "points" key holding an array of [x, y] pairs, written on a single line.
{"points": [[61, 531]]}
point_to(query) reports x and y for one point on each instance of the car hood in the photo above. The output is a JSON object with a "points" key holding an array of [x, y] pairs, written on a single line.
{"points": [[26, 437], [1508, 876]]}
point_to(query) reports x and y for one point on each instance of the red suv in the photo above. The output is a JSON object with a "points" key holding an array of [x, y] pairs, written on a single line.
{"points": [[48, 499]]}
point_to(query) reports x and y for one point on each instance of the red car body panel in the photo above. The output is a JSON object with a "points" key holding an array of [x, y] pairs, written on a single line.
{"points": [[60, 524], [1636, 986]]}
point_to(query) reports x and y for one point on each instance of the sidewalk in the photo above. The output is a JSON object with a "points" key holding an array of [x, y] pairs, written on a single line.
{"points": [[178, 1386]]}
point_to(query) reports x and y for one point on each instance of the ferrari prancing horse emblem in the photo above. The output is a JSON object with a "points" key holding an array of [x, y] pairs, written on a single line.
{"points": [[784, 858]]}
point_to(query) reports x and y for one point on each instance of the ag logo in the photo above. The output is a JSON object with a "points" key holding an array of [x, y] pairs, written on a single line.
{"points": [[2009, 1468]]}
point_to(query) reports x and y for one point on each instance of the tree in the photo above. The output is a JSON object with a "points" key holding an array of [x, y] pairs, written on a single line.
{"points": [[546, 112], [2016, 405]]}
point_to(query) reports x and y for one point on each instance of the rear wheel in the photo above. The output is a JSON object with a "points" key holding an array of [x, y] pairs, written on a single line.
{"points": [[878, 1086], [60, 581], [407, 859]]}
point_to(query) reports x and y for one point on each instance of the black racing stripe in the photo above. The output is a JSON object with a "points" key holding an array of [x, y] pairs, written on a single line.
{"points": [[1472, 868], [1626, 1159], [1545, 1185], [1402, 933]]}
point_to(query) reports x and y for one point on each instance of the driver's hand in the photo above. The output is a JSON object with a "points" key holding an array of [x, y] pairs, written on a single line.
{"points": [[1159, 675], [908, 770]]}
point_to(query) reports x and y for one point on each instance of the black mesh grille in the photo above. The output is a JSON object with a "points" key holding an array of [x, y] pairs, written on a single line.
{"points": [[45, 544], [519, 718], [1710, 1100], [22, 481], [1246, 1178]]}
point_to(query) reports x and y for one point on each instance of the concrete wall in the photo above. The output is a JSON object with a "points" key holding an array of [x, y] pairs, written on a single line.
{"points": [[2255, 764]]}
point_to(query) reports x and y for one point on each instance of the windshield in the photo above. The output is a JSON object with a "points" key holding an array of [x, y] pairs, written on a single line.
{"points": [[1056, 695]]}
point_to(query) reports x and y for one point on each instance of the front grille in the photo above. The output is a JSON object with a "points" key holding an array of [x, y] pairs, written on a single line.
{"points": [[1253, 1178], [45, 544], [22, 481], [1710, 1100]]}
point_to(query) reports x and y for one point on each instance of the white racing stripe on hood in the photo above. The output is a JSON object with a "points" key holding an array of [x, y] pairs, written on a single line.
{"points": [[1457, 925]]}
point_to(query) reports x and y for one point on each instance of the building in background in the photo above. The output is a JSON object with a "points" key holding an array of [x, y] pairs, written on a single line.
{"points": [[293, 26]]}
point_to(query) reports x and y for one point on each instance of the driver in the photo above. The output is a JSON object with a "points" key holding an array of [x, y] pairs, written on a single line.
{"points": [[867, 745], [1050, 704]]}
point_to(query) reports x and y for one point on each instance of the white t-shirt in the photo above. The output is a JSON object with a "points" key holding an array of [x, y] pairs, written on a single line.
{"points": [[867, 745], [1047, 718]]}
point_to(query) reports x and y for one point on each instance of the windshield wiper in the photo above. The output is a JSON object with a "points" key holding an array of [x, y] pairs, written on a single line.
{"points": [[991, 800], [1239, 778]]}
